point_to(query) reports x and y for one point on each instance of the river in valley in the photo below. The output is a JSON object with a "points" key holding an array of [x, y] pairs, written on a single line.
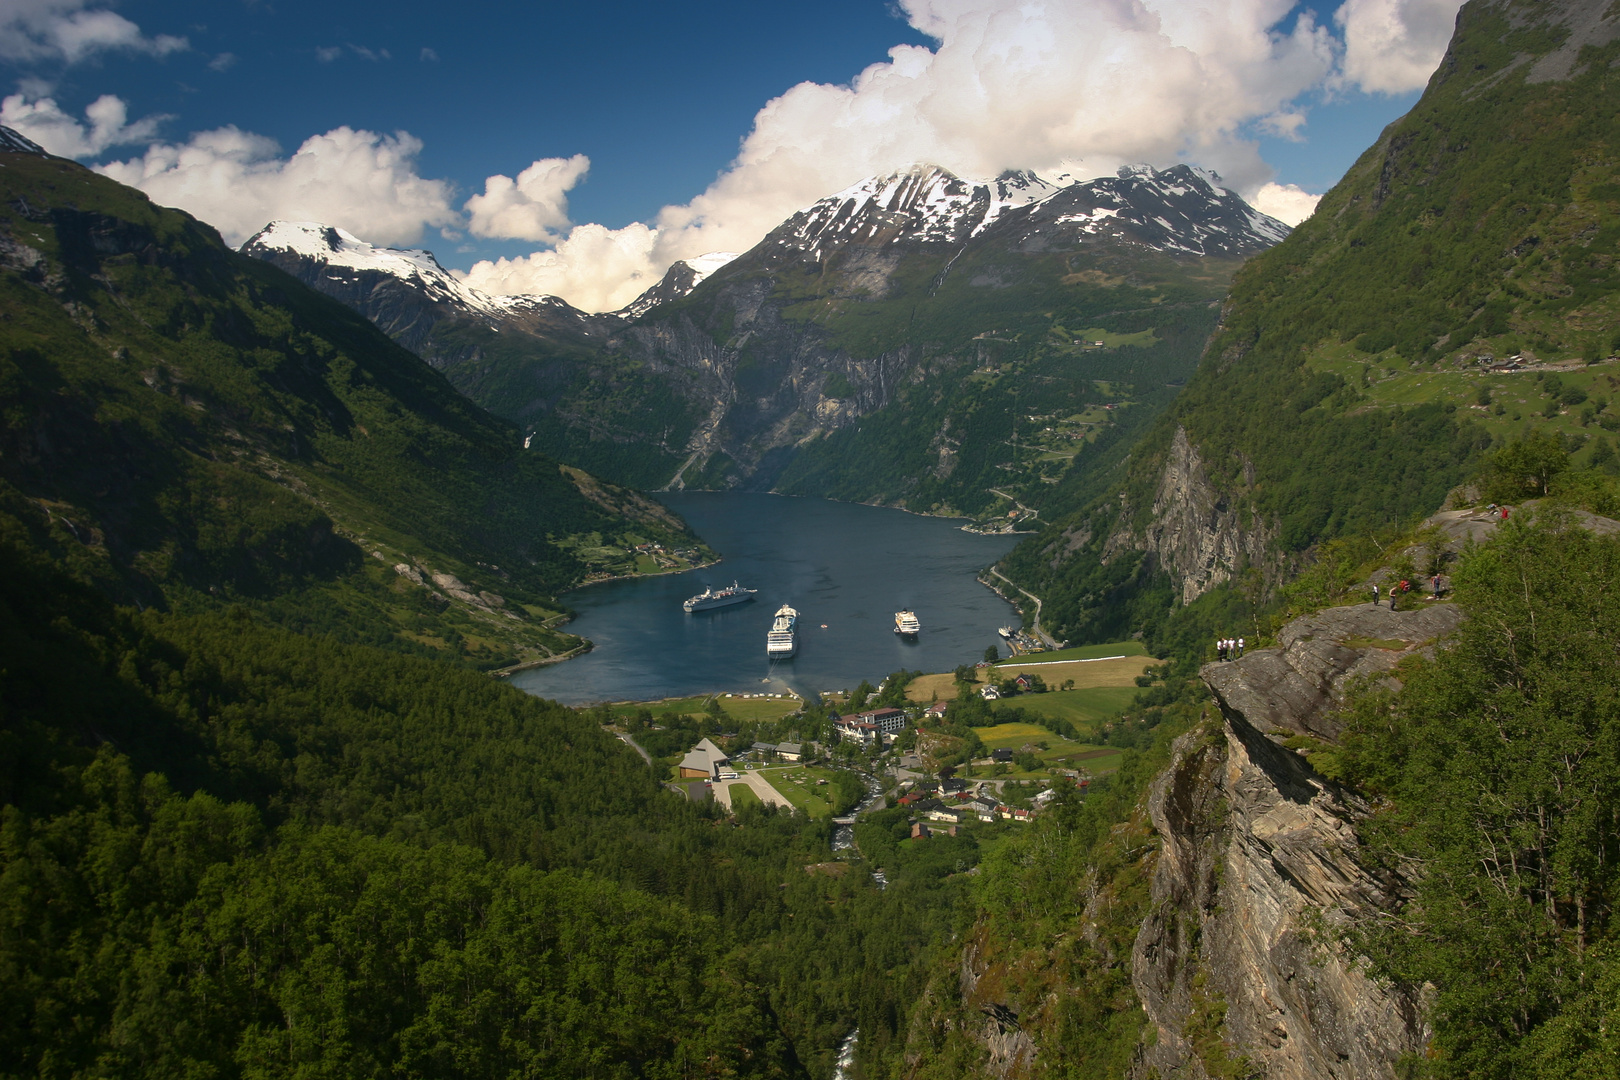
{"points": [[847, 566]]}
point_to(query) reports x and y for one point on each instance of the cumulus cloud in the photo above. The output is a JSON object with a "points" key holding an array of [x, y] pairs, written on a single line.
{"points": [[594, 268], [1288, 203], [1081, 87], [532, 207], [237, 181], [1058, 86], [71, 31], [1393, 46], [106, 125]]}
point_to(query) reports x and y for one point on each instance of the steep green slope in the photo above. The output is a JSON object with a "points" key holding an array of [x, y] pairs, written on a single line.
{"points": [[234, 850], [183, 422], [1345, 391]]}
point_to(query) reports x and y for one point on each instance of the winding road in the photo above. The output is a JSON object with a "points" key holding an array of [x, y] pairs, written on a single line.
{"points": [[1038, 631]]}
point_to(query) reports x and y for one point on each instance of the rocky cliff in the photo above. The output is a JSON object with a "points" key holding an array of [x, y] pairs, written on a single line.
{"points": [[1260, 865], [1196, 532]]}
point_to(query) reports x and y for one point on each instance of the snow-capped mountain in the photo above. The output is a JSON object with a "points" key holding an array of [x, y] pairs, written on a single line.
{"points": [[1181, 210], [724, 372], [681, 278], [403, 290], [919, 204]]}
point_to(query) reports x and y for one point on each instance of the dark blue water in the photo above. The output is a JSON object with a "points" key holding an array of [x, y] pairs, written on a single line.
{"points": [[851, 567]]}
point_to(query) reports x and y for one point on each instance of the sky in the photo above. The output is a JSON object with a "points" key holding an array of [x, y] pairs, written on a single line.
{"points": [[578, 149]]}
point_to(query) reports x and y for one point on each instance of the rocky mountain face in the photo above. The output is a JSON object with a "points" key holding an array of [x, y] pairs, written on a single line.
{"points": [[1259, 867], [732, 366]]}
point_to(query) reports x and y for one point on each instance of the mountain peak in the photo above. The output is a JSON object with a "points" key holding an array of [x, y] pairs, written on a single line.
{"points": [[19, 143], [682, 277]]}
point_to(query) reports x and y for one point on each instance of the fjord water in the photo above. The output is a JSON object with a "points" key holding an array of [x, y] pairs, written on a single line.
{"points": [[848, 566]]}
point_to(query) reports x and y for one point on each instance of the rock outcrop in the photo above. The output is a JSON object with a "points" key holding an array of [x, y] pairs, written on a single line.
{"points": [[1261, 864]]}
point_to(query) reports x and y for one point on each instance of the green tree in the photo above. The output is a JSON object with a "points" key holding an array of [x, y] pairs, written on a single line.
{"points": [[1499, 767], [1524, 469]]}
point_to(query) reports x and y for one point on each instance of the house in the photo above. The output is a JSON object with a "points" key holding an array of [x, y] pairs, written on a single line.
{"points": [[953, 786], [1001, 755], [985, 807], [944, 813], [928, 806], [1025, 682], [762, 750], [1015, 813], [703, 760], [789, 751], [989, 692], [858, 730], [888, 721], [936, 710], [1044, 797], [919, 831]]}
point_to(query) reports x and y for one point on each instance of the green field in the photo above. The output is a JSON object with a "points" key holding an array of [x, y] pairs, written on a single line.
{"points": [[1082, 652], [1082, 708], [743, 795], [1517, 400], [1061, 753], [798, 786]]}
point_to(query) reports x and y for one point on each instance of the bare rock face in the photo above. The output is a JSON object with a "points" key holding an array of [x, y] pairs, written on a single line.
{"points": [[1296, 687], [1260, 865], [1197, 531]]}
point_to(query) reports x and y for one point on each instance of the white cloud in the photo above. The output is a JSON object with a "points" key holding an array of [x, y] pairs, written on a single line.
{"points": [[237, 181], [71, 31], [532, 207], [429, 55], [1393, 46], [328, 53], [1288, 203], [223, 62], [47, 124], [1083, 87], [594, 268]]}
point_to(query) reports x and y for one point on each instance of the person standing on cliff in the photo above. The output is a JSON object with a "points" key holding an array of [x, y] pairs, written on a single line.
{"points": [[1240, 647], [1375, 594]]}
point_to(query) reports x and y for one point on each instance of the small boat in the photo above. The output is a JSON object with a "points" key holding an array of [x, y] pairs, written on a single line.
{"points": [[906, 624]]}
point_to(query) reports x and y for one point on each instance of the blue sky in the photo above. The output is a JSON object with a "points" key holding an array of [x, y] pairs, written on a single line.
{"points": [[660, 98]]}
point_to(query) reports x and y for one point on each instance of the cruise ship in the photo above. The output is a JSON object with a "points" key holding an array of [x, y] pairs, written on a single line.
{"points": [[780, 642], [906, 624], [713, 598]]}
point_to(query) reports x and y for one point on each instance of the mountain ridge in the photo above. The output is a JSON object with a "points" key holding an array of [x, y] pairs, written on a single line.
{"points": [[744, 370]]}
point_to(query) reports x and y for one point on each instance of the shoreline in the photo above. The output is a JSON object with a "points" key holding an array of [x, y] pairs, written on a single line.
{"points": [[585, 646], [635, 577]]}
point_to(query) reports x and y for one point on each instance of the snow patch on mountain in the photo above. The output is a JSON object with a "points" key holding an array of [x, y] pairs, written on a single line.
{"points": [[682, 277], [1181, 210], [341, 250]]}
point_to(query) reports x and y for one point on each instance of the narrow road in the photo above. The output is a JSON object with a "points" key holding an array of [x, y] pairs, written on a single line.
{"points": [[632, 744], [1038, 631], [1024, 512]]}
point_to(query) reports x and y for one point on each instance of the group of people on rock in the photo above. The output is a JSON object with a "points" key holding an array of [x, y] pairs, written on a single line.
{"points": [[1228, 648], [1405, 587]]}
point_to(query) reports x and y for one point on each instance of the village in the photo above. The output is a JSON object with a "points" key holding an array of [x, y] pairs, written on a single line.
{"points": [[930, 755]]}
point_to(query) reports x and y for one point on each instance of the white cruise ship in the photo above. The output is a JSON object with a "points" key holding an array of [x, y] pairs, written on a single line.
{"points": [[713, 598], [780, 643], [906, 624]]}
